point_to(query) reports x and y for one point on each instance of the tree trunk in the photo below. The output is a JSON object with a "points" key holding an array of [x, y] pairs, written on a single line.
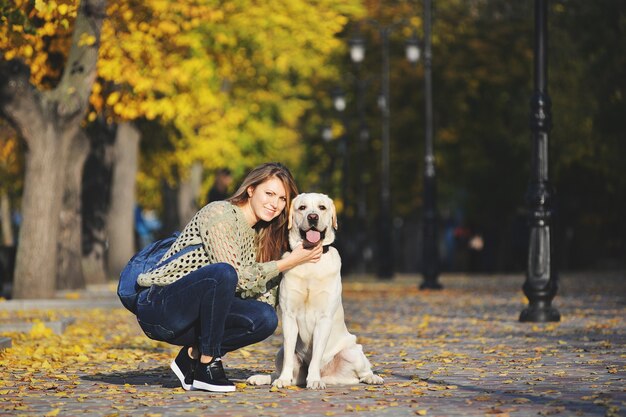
{"points": [[188, 195], [96, 198], [171, 219], [48, 122], [35, 264], [6, 220], [69, 267], [93, 262], [120, 222], [5, 217]]}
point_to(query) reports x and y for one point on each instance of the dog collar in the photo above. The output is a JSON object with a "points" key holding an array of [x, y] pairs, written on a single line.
{"points": [[325, 248]]}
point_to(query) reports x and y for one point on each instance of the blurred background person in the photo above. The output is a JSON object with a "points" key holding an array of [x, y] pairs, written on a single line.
{"points": [[219, 190]]}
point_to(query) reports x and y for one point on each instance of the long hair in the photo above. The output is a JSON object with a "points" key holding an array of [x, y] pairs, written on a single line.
{"points": [[272, 238]]}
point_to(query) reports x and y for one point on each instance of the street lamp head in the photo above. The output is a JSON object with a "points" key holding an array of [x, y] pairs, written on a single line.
{"points": [[382, 102], [357, 49], [364, 134], [413, 49], [327, 133], [339, 99]]}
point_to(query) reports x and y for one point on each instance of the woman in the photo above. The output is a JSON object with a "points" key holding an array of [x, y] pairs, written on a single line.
{"points": [[219, 292]]}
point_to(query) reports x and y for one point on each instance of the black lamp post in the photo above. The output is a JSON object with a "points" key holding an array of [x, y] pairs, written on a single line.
{"points": [[541, 276], [334, 152], [339, 102], [430, 251], [357, 54], [363, 136], [327, 136], [385, 270]]}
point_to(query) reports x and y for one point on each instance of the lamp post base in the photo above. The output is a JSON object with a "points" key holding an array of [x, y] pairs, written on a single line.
{"points": [[540, 313], [431, 285], [385, 276]]}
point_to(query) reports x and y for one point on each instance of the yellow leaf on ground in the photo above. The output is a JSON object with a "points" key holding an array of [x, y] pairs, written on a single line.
{"points": [[40, 331]]}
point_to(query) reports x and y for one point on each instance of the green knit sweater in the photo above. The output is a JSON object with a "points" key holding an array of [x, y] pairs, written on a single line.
{"points": [[225, 236]]}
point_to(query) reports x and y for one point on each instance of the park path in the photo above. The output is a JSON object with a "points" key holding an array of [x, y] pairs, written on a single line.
{"points": [[456, 352]]}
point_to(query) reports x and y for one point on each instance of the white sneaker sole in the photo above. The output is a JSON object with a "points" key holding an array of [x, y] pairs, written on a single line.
{"points": [[174, 367], [213, 388]]}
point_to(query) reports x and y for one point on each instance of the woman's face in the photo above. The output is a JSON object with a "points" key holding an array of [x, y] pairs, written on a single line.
{"points": [[268, 199]]}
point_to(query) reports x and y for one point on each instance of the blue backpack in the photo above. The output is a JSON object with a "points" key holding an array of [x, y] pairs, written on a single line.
{"points": [[143, 261]]}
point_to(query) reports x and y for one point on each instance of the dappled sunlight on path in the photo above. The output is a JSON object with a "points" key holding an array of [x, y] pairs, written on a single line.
{"points": [[458, 351]]}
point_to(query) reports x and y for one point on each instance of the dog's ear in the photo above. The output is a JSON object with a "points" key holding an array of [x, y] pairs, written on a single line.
{"points": [[334, 213], [290, 219]]}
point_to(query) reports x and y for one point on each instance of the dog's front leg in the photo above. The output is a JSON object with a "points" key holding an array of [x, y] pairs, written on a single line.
{"points": [[290, 337], [320, 339]]}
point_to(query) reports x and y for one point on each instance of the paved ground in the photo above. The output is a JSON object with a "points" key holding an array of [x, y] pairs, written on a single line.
{"points": [[456, 352]]}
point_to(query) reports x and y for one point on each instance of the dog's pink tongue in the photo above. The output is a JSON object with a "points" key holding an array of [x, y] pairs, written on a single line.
{"points": [[313, 236]]}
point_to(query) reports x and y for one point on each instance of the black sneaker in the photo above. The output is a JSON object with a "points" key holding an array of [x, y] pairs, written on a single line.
{"points": [[211, 377], [184, 367]]}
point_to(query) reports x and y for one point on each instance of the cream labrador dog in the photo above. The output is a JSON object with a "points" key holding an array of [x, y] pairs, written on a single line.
{"points": [[317, 347]]}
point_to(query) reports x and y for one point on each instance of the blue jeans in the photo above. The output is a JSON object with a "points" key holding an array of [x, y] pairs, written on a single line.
{"points": [[201, 309]]}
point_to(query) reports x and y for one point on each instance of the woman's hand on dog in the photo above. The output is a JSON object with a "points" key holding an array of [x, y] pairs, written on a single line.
{"points": [[299, 255]]}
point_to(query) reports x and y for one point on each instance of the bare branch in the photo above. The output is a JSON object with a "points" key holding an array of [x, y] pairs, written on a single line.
{"points": [[73, 91]]}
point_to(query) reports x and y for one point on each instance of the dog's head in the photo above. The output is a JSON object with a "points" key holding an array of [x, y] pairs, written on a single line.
{"points": [[312, 218]]}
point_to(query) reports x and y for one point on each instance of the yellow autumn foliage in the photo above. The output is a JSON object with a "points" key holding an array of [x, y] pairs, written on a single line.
{"points": [[11, 163], [231, 80]]}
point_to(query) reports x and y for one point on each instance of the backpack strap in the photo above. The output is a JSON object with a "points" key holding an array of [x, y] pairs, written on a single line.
{"points": [[175, 256]]}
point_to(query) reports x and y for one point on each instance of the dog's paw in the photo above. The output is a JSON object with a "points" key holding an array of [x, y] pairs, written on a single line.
{"points": [[282, 383], [372, 380], [315, 385], [259, 380]]}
